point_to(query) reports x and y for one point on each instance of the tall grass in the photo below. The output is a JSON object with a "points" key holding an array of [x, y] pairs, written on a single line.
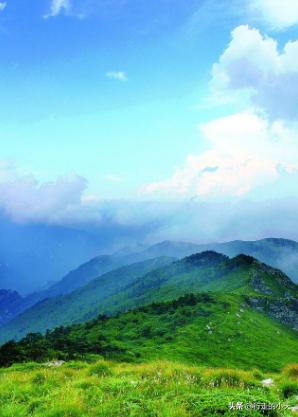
{"points": [[156, 389]]}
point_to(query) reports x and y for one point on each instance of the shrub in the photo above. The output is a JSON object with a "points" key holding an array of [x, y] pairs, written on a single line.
{"points": [[229, 378], [288, 389], [38, 378], [258, 374], [75, 365], [100, 369], [292, 371]]}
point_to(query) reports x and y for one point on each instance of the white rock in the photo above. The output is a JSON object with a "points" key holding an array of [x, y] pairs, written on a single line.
{"points": [[55, 363], [267, 382], [294, 409]]}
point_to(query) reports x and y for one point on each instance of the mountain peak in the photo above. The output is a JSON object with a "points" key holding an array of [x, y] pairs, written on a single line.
{"points": [[243, 259], [204, 258], [281, 242]]}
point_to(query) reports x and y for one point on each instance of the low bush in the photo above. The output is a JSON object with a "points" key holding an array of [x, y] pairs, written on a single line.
{"points": [[100, 369]]}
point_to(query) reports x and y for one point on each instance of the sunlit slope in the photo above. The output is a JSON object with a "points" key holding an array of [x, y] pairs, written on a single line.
{"points": [[208, 329]]}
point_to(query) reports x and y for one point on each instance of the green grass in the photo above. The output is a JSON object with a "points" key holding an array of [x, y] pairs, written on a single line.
{"points": [[156, 389]]}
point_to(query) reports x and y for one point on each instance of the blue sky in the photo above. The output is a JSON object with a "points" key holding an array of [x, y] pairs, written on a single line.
{"points": [[134, 100], [59, 110]]}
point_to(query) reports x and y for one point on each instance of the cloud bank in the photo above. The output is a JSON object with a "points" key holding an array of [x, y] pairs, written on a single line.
{"points": [[25, 199], [65, 202]]}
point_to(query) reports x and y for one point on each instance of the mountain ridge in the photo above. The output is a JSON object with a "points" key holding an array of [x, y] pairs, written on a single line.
{"points": [[208, 271], [278, 252], [204, 329]]}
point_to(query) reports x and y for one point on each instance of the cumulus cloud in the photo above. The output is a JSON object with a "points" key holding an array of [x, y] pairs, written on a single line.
{"points": [[278, 14], [58, 6], [117, 75], [253, 63], [2, 6], [244, 151], [253, 148], [24, 198]]}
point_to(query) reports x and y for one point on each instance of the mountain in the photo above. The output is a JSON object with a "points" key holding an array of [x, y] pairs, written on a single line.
{"points": [[81, 304], [45, 254], [220, 330], [78, 277], [265, 288], [172, 248], [279, 253], [10, 305], [35, 254], [102, 264], [85, 273], [276, 252]]}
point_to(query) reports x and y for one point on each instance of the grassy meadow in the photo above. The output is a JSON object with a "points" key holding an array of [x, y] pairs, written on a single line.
{"points": [[101, 388]]}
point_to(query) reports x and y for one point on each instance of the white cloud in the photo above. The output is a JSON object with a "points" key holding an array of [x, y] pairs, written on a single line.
{"points": [[244, 152], [278, 14], [253, 63], [64, 201], [254, 148], [57, 6], [117, 75], [23, 198], [2, 6]]}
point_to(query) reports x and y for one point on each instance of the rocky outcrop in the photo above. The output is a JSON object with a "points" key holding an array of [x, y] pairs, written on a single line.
{"points": [[259, 285], [284, 310]]}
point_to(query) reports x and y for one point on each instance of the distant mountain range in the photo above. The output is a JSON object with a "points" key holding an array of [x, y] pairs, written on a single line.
{"points": [[204, 309], [34, 255], [280, 253], [34, 258], [79, 304], [158, 280]]}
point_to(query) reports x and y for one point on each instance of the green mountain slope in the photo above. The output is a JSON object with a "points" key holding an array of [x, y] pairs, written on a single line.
{"points": [[210, 271], [206, 329], [77, 305], [280, 253], [80, 276], [266, 288]]}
